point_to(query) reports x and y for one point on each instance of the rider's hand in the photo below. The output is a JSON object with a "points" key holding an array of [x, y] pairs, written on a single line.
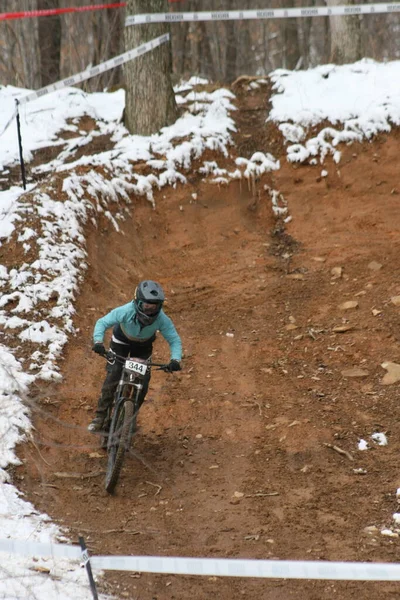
{"points": [[99, 348], [174, 365]]}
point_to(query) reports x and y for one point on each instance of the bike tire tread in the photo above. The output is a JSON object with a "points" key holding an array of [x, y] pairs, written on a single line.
{"points": [[114, 469]]}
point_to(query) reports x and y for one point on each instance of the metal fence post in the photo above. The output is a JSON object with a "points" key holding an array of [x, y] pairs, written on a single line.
{"points": [[86, 562], [21, 158]]}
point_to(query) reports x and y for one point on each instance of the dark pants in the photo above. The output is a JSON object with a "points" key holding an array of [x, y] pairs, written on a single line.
{"points": [[122, 346]]}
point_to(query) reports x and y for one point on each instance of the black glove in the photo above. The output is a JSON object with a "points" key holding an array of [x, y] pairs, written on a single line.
{"points": [[174, 365], [99, 348]]}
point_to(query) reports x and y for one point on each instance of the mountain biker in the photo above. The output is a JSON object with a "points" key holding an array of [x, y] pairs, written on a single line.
{"points": [[134, 330]]}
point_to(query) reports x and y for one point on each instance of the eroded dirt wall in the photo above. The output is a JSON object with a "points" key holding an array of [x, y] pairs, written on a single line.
{"points": [[231, 458]]}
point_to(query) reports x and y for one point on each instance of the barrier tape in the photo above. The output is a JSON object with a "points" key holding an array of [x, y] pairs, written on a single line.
{"points": [[49, 12], [218, 567], [270, 13], [26, 548], [101, 68], [236, 567], [7, 125], [74, 79]]}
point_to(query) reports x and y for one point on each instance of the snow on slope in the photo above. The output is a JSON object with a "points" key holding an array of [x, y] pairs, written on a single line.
{"points": [[47, 224]]}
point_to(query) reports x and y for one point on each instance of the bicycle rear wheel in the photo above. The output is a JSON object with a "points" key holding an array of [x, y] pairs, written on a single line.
{"points": [[118, 442]]}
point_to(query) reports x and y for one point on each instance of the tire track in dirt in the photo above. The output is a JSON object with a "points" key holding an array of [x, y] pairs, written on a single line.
{"points": [[197, 428], [249, 413]]}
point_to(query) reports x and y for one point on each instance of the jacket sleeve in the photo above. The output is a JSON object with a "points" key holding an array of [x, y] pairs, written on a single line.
{"points": [[117, 315], [168, 331]]}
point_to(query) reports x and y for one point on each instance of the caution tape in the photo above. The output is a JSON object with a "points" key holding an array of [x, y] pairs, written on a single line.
{"points": [[92, 72], [270, 13], [49, 12], [10, 120], [236, 567], [101, 68], [217, 567], [26, 548]]}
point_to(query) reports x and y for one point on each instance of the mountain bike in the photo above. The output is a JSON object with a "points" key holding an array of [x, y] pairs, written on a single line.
{"points": [[121, 420]]}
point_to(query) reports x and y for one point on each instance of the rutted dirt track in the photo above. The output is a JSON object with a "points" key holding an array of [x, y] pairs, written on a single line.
{"points": [[250, 412]]}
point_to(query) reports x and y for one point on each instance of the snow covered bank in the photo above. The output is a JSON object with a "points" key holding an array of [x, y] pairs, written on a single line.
{"points": [[42, 239], [42, 230], [360, 100]]}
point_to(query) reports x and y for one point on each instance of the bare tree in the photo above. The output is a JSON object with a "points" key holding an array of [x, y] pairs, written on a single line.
{"points": [[345, 36], [19, 58], [49, 43], [150, 100], [291, 37], [220, 51]]}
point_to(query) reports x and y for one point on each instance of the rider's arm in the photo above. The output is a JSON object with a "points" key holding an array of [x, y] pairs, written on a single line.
{"points": [[117, 315], [168, 331]]}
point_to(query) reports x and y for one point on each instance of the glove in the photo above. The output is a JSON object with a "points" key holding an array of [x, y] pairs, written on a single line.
{"points": [[174, 365], [99, 348]]}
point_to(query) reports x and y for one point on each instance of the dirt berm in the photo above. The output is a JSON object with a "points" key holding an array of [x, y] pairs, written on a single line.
{"points": [[234, 456]]}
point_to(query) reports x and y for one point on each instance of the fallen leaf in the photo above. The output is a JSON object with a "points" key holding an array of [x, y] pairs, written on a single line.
{"points": [[393, 373], [298, 276], [40, 569], [355, 372], [374, 266], [96, 455], [395, 300], [342, 328], [348, 305], [336, 272]]}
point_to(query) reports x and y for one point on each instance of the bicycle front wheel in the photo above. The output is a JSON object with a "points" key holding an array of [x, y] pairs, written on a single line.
{"points": [[118, 442]]}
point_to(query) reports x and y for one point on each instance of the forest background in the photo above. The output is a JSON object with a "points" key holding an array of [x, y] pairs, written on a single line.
{"points": [[37, 52]]}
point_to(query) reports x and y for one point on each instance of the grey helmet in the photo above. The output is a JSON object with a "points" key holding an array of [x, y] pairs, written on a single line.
{"points": [[148, 301]]}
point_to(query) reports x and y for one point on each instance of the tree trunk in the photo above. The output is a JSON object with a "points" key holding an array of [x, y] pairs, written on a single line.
{"points": [[49, 43], [291, 40], [19, 55], [116, 26], [345, 36], [207, 58], [150, 100]]}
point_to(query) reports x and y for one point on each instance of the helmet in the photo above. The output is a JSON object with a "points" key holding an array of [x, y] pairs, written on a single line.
{"points": [[148, 301]]}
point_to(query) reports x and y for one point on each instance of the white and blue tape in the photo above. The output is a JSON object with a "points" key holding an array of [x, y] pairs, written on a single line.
{"points": [[218, 567], [101, 68], [89, 73], [261, 14]]}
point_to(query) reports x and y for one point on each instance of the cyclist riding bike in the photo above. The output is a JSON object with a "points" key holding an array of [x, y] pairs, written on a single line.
{"points": [[135, 326]]}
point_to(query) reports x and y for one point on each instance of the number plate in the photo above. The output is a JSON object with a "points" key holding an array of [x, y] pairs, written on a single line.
{"points": [[136, 367]]}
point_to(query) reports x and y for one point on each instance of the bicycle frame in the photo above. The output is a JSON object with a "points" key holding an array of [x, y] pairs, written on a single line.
{"points": [[130, 382], [131, 379], [123, 412]]}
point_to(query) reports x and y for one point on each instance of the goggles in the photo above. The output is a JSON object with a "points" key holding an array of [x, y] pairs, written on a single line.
{"points": [[150, 308]]}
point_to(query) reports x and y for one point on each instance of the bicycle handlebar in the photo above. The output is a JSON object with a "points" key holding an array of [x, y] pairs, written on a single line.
{"points": [[111, 355]]}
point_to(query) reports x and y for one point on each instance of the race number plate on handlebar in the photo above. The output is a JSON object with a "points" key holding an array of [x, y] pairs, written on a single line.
{"points": [[136, 367]]}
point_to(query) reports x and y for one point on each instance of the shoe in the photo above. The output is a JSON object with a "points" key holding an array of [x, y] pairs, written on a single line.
{"points": [[96, 425]]}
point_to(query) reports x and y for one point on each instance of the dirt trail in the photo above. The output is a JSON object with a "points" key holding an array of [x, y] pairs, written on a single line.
{"points": [[251, 411]]}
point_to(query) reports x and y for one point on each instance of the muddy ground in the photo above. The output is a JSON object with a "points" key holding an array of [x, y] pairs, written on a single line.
{"points": [[233, 456]]}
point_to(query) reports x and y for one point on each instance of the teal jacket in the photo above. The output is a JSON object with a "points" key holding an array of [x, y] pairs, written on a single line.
{"points": [[125, 316]]}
